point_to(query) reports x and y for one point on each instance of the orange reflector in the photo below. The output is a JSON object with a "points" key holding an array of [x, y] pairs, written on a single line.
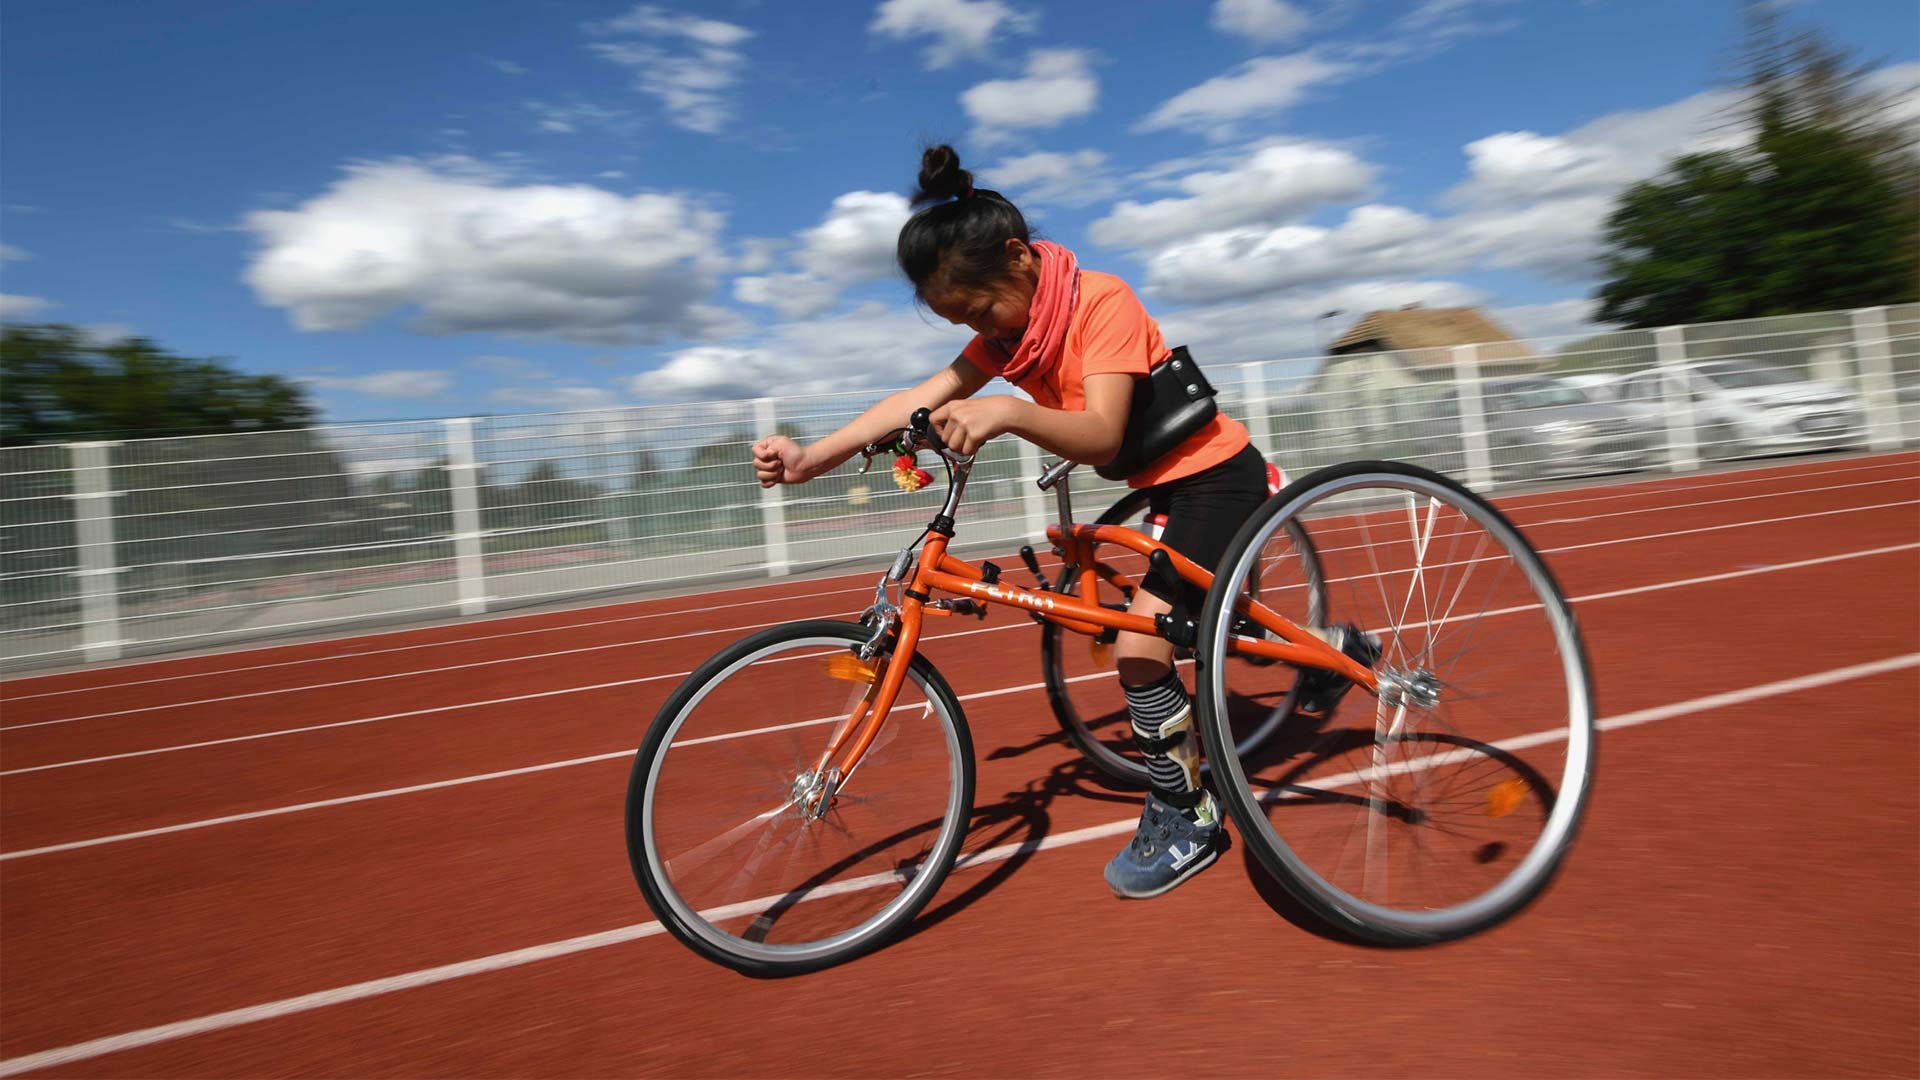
{"points": [[1102, 652], [849, 668], [1505, 797]]}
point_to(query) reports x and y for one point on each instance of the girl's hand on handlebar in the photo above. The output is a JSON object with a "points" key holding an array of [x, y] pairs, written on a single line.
{"points": [[968, 423], [777, 459]]}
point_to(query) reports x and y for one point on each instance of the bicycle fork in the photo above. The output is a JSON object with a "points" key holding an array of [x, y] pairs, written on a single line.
{"points": [[882, 663]]}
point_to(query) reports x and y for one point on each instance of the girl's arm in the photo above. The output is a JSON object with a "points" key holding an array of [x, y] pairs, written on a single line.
{"points": [[1090, 436], [779, 460]]}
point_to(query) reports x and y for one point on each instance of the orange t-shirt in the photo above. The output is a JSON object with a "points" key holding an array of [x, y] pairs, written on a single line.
{"points": [[1111, 332]]}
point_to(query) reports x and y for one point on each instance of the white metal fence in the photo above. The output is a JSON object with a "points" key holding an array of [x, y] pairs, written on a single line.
{"points": [[110, 549]]}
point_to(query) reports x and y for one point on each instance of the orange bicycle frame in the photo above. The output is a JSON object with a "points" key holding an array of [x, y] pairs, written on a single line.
{"points": [[938, 571]]}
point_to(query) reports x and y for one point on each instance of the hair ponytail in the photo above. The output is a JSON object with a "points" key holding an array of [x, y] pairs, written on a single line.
{"points": [[962, 236]]}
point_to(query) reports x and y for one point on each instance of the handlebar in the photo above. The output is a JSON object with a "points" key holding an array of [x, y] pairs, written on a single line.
{"points": [[918, 433]]}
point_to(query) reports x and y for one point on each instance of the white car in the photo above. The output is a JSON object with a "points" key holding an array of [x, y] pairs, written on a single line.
{"points": [[1742, 408]]}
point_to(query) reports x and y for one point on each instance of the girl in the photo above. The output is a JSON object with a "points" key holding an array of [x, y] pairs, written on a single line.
{"points": [[1074, 340]]}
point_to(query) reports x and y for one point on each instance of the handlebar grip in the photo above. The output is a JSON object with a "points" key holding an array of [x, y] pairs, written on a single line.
{"points": [[922, 423]]}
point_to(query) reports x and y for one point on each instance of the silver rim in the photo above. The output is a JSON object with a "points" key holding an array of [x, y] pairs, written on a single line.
{"points": [[1520, 882], [703, 922]]}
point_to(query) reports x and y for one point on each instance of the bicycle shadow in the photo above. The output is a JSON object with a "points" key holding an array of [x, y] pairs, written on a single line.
{"points": [[1004, 836], [1010, 833]]}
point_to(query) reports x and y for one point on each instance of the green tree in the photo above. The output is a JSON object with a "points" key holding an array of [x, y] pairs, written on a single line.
{"points": [[1818, 213], [57, 383]]}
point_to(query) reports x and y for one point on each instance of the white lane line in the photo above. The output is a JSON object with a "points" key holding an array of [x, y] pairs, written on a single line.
{"points": [[693, 634], [278, 732], [977, 695], [418, 672], [457, 781], [561, 628], [1511, 504], [360, 991]]}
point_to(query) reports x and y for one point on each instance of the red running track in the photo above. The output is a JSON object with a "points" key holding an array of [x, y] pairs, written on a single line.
{"points": [[1741, 903]]}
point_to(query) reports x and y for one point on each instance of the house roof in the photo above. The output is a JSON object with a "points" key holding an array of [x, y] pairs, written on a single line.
{"points": [[1424, 335]]}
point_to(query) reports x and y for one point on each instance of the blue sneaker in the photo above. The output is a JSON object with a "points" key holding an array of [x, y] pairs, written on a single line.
{"points": [[1167, 848]]}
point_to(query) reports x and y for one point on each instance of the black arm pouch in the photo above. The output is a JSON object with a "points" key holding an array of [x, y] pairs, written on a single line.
{"points": [[1170, 404]]}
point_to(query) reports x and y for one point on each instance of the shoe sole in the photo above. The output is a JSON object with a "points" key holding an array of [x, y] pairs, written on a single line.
{"points": [[1169, 886]]}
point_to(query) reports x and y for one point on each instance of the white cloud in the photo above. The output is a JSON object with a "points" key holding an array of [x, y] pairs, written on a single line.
{"points": [[854, 242], [400, 383], [794, 296], [1230, 263], [1066, 179], [1288, 325], [1558, 238], [568, 119], [959, 27], [1556, 319], [1059, 85], [1530, 201], [691, 64], [1598, 157], [14, 307], [1264, 84], [872, 346], [9, 253], [756, 254], [1277, 182], [471, 251], [505, 67], [556, 398], [1261, 20]]}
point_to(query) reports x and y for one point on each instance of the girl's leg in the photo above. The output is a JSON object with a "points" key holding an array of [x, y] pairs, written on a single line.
{"points": [[1160, 710], [1179, 833]]}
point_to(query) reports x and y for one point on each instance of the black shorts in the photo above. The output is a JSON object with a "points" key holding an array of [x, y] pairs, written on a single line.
{"points": [[1204, 511]]}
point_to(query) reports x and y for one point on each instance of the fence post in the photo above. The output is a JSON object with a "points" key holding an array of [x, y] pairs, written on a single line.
{"points": [[98, 568], [773, 507], [1871, 346], [1683, 446], [470, 567], [1473, 416], [1259, 416], [1032, 500]]}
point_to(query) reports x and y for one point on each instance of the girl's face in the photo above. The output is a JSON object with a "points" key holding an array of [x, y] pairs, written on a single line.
{"points": [[997, 309]]}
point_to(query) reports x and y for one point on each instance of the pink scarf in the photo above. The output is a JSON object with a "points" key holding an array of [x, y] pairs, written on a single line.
{"points": [[1054, 297]]}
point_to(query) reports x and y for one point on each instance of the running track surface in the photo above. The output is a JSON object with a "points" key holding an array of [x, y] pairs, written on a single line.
{"points": [[1742, 901]]}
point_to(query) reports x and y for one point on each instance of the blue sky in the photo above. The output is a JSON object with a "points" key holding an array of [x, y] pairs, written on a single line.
{"points": [[433, 209]]}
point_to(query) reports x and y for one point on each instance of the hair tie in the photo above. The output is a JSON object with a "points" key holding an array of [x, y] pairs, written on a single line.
{"points": [[967, 194]]}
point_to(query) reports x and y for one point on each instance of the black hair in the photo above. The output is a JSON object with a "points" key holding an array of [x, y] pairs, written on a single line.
{"points": [[963, 235]]}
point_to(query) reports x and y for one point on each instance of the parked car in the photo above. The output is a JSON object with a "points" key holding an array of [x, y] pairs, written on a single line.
{"points": [[1539, 426], [1594, 387], [1741, 408]]}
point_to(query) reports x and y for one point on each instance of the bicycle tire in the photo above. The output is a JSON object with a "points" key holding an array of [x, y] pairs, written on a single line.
{"points": [[1333, 905], [687, 924]]}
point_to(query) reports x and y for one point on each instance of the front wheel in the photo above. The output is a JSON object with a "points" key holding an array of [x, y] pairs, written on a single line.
{"points": [[1446, 803], [755, 861]]}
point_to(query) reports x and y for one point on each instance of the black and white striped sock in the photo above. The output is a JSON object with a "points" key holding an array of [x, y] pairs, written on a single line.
{"points": [[1163, 729]]}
